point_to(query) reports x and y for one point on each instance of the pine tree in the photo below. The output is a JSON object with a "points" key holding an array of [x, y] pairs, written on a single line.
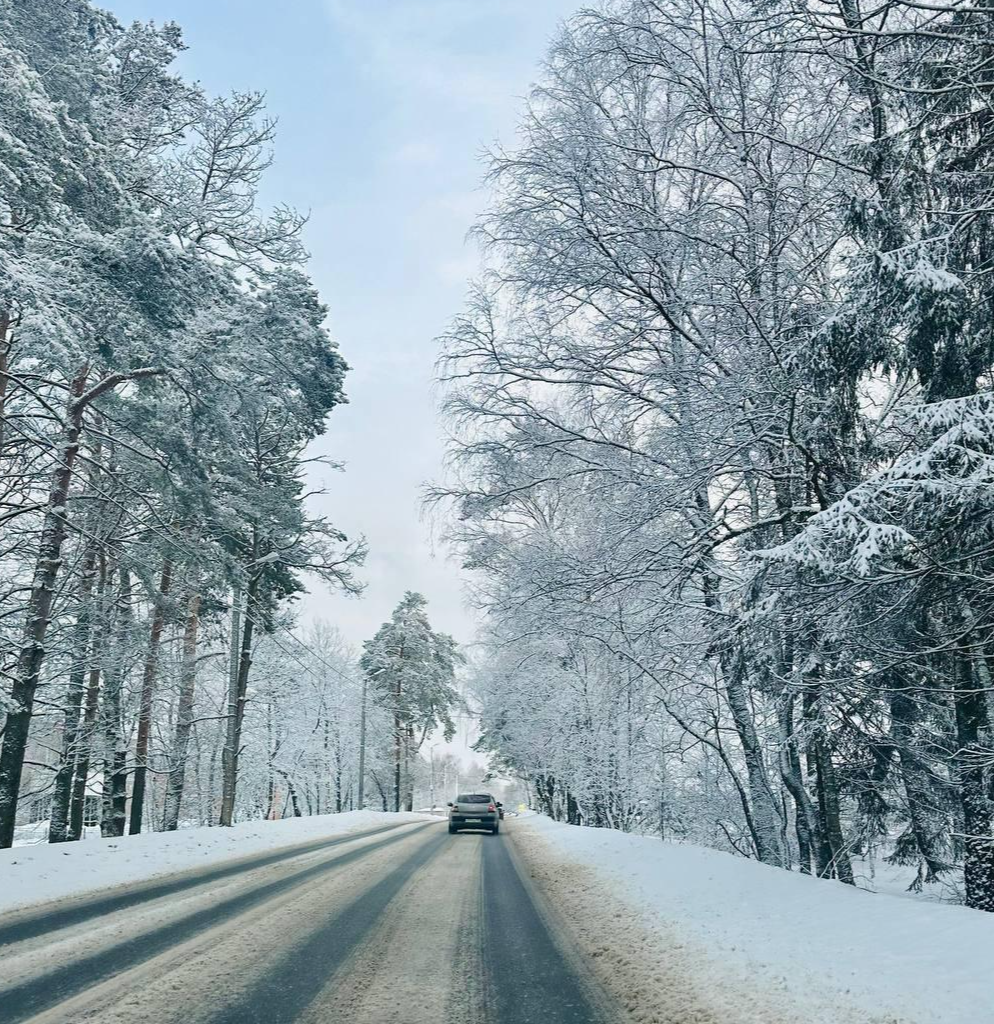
{"points": [[411, 668]]}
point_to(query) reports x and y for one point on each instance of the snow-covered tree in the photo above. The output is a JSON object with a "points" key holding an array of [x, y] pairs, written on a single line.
{"points": [[411, 669], [164, 366], [733, 251]]}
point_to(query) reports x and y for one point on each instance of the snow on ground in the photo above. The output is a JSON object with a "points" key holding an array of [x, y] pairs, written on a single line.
{"points": [[879, 875], [36, 832], [36, 874], [747, 942]]}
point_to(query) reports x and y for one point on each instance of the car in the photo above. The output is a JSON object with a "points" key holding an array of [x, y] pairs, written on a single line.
{"points": [[474, 810]]}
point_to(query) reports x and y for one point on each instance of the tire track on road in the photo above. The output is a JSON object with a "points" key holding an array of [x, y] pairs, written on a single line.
{"points": [[19, 926], [409, 968], [285, 991], [23, 1001], [533, 975], [415, 927]]}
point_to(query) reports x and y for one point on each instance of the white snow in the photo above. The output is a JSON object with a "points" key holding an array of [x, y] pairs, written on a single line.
{"points": [[37, 874], [822, 948]]}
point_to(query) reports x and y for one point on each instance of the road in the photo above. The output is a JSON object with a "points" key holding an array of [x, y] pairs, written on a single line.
{"points": [[398, 925]]}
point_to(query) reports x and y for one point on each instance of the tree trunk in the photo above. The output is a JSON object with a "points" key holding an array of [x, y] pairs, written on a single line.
{"points": [[928, 822], [338, 772], [291, 792], [236, 706], [408, 774], [398, 743], [148, 689], [970, 705], [184, 717], [271, 750], [59, 830], [765, 815], [6, 343], [360, 799], [662, 783], [829, 807], [203, 818], [805, 819], [81, 772], [545, 789], [382, 791], [115, 781], [39, 613], [211, 798]]}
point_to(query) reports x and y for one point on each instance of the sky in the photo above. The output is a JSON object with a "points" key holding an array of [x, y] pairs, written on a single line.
{"points": [[385, 108]]}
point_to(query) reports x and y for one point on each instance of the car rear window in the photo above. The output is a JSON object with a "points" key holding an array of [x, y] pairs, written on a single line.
{"points": [[473, 798]]}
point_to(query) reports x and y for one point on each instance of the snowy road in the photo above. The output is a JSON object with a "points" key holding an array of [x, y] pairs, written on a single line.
{"points": [[397, 925]]}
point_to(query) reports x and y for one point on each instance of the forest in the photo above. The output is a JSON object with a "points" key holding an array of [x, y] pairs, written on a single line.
{"points": [[164, 365], [724, 433]]}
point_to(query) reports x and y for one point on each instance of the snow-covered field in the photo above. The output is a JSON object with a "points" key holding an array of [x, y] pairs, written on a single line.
{"points": [[38, 873], [755, 943]]}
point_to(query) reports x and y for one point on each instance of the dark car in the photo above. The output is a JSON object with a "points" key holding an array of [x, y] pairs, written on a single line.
{"points": [[474, 810]]}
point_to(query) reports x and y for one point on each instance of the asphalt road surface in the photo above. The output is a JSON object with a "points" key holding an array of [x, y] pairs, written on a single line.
{"points": [[398, 925]]}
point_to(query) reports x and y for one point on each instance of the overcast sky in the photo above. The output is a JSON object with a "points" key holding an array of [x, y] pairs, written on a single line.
{"points": [[384, 108]]}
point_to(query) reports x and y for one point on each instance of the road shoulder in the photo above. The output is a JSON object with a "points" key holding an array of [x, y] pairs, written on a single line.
{"points": [[655, 972]]}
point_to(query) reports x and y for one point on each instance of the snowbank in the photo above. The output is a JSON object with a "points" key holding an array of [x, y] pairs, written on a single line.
{"points": [[810, 950], [36, 874]]}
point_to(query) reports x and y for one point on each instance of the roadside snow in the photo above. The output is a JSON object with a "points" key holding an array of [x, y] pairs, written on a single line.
{"points": [[37, 874], [762, 944]]}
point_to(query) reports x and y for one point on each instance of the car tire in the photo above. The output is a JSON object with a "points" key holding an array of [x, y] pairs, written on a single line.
{"points": [[495, 830], [452, 831]]}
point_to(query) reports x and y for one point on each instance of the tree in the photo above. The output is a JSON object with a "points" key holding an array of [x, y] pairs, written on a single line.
{"points": [[163, 365], [733, 251], [411, 669]]}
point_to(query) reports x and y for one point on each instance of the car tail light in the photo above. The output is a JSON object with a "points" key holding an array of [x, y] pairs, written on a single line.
{"points": [[491, 808]]}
